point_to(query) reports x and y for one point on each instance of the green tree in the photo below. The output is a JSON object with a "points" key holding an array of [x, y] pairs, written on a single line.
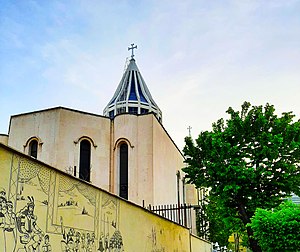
{"points": [[248, 161], [220, 222], [279, 229]]}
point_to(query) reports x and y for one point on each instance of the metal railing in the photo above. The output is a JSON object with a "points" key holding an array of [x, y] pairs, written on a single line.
{"points": [[180, 214]]}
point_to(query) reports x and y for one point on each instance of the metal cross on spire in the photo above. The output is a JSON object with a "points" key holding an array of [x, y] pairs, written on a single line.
{"points": [[132, 48]]}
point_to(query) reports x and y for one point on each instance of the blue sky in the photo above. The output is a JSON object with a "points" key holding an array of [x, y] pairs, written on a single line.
{"points": [[197, 57]]}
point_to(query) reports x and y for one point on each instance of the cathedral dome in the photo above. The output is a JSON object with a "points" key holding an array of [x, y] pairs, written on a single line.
{"points": [[132, 95]]}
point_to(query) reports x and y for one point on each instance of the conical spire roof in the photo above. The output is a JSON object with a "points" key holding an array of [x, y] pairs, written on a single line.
{"points": [[132, 95]]}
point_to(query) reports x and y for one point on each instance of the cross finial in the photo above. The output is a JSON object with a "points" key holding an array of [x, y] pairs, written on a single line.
{"points": [[189, 128], [132, 48]]}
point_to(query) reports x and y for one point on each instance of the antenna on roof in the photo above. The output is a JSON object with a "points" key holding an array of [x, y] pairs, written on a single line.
{"points": [[126, 64]]}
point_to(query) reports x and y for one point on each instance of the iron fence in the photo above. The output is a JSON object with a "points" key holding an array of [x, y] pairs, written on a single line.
{"points": [[180, 214]]}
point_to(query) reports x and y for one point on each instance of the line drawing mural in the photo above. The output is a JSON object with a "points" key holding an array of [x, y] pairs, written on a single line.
{"points": [[7, 223], [152, 244], [30, 235], [110, 238], [31, 223], [46, 246], [45, 210]]}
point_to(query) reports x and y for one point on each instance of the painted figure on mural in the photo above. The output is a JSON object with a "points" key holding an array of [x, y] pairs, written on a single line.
{"points": [[30, 233], [10, 228], [2, 221], [106, 243], [77, 242], [46, 246], [68, 242], [89, 242], [7, 224], [83, 247], [101, 243], [93, 245], [116, 242]]}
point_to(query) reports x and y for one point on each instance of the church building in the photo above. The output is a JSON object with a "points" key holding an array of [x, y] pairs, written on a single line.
{"points": [[126, 151]]}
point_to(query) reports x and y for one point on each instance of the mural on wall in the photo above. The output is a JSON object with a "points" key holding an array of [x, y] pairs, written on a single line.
{"points": [[153, 244], [62, 211], [110, 236], [44, 210]]}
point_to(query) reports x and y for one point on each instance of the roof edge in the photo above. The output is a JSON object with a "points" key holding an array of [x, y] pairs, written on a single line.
{"points": [[154, 115], [57, 108]]}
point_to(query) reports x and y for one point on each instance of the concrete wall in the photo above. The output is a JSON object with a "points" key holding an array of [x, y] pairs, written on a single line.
{"points": [[165, 149], [197, 243], [59, 132], [137, 132], [73, 127], [167, 161], [4, 139], [44, 126], [43, 209], [153, 160]]}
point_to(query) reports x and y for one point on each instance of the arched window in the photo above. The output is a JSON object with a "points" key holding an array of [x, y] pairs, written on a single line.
{"points": [[33, 148], [85, 160], [123, 189]]}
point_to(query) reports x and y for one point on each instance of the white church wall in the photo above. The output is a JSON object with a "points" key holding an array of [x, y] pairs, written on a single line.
{"points": [[43, 126], [167, 160], [136, 132], [145, 159], [75, 126], [153, 161], [59, 132]]}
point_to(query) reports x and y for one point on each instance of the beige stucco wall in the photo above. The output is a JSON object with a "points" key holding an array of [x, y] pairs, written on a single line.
{"points": [[167, 160], [197, 244], [173, 161], [72, 127], [136, 131], [58, 131], [154, 161], [43, 125], [4, 139], [162, 235]]}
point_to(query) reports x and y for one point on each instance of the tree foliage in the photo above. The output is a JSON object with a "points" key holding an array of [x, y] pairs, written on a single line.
{"points": [[215, 223], [278, 230], [221, 224], [248, 161]]}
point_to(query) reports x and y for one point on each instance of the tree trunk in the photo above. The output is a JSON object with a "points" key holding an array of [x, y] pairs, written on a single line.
{"points": [[246, 219], [253, 243]]}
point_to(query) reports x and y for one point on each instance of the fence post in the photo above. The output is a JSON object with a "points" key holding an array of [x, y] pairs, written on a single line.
{"points": [[178, 194], [185, 220]]}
